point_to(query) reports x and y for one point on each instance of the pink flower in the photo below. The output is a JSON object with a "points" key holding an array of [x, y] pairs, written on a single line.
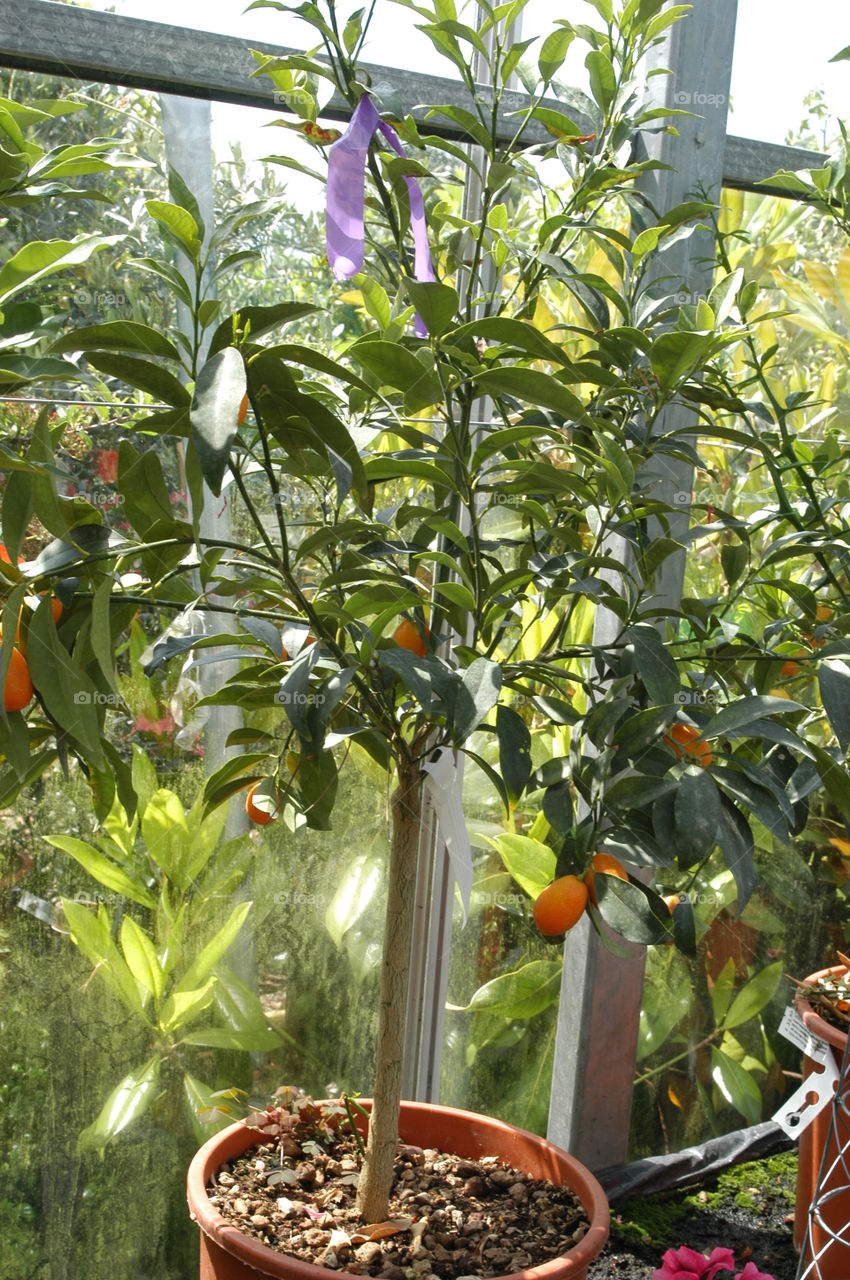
{"points": [[751, 1272], [687, 1264]]}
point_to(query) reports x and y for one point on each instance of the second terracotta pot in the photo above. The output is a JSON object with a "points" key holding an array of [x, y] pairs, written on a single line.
{"points": [[228, 1254]]}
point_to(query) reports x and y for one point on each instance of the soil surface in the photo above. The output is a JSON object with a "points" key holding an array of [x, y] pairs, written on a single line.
{"points": [[448, 1217], [748, 1209]]}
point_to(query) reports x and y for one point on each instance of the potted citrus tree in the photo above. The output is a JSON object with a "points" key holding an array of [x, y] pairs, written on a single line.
{"points": [[432, 596]]}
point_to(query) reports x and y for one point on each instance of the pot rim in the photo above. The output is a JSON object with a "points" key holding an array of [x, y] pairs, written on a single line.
{"points": [[274, 1263], [815, 1024]]}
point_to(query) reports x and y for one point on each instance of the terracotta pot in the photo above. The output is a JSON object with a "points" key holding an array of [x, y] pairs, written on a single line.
{"points": [[834, 1261], [227, 1254]]}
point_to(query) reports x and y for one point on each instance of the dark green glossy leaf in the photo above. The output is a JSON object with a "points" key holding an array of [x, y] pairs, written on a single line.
{"points": [[214, 414], [514, 751], [655, 664], [697, 808]]}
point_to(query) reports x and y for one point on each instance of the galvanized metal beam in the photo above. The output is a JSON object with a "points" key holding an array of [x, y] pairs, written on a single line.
{"points": [[58, 39], [599, 1009]]}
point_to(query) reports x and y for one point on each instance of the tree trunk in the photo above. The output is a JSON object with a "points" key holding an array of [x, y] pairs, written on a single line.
{"points": [[376, 1176]]}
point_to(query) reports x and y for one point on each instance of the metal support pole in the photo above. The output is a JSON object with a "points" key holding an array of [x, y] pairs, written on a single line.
{"points": [[432, 938], [188, 149], [599, 1010]]}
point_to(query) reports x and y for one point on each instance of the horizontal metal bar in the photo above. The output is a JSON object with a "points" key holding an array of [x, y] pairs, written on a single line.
{"points": [[58, 39], [746, 162]]}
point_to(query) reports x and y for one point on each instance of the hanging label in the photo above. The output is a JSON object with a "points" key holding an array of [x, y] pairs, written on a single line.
{"points": [[793, 1028], [442, 785], [818, 1089]]}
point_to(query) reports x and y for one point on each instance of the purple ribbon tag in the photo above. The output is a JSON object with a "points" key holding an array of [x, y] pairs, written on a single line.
{"points": [[345, 231]]}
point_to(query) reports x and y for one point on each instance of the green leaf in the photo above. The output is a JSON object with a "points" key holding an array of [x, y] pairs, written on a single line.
{"points": [[118, 335], [834, 686], [398, 368], [736, 840], [697, 808], [42, 258], [654, 662], [214, 414], [318, 780], [740, 715], [216, 947], [753, 997], [103, 870], [512, 333], [207, 1108], [531, 863], [558, 807], [430, 680], [141, 957], [521, 994], [258, 320], [166, 834], [91, 933], [179, 222], [633, 910], [68, 694], [834, 777], [127, 1103], [148, 377], [534, 387], [360, 882], [183, 1006], [553, 51], [225, 1038], [603, 79], [721, 994], [734, 558], [475, 695], [736, 1085], [514, 751], [375, 299], [436, 303], [240, 1006], [101, 631]]}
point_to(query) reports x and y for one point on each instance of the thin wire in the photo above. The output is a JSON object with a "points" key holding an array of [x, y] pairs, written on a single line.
{"points": [[132, 409]]}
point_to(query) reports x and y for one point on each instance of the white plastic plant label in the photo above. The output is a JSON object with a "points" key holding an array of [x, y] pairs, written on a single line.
{"points": [[443, 786], [818, 1089], [793, 1028]]}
